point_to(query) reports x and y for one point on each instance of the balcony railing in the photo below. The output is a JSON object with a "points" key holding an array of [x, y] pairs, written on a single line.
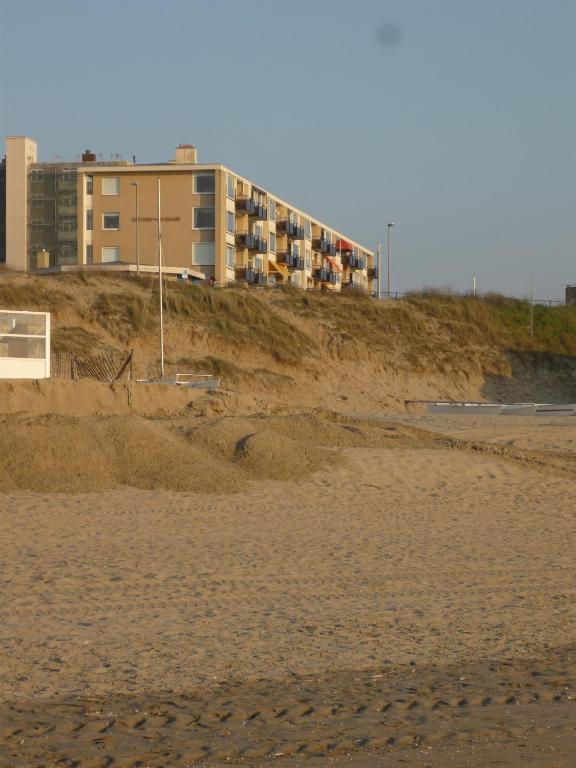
{"points": [[67, 210], [67, 236], [252, 276], [252, 242], [291, 259], [324, 246], [372, 273], [327, 276], [356, 262], [290, 228], [252, 207]]}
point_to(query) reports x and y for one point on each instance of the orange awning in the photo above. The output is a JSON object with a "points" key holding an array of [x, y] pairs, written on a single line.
{"points": [[282, 269], [344, 245]]}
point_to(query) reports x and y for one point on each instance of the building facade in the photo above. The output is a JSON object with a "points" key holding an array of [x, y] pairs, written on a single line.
{"points": [[215, 225]]}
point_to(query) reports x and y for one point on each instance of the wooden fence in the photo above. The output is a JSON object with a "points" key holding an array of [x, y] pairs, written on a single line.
{"points": [[106, 367]]}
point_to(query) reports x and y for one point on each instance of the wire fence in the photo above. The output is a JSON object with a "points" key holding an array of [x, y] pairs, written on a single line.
{"points": [[394, 295]]}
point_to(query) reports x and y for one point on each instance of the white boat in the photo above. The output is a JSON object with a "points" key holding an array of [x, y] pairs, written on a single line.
{"points": [[555, 409], [465, 409], [519, 409]]}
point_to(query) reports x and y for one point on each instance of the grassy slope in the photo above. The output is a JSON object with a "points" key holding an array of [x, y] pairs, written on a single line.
{"points": [[283, 333]]}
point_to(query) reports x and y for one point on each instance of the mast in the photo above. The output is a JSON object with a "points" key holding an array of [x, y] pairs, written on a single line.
{"points": [[160, 286]]}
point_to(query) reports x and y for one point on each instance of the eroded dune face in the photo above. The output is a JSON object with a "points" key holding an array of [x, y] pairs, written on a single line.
{"points": [[346, 352]]}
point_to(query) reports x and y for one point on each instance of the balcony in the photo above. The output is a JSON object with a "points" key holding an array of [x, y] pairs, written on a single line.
{"points": [[251, 242], [252, 276], [67, 210], [372, 273], [327, 276], [324, 246], [290, 228], [291, 259], [67, 236], [356, 262], [251, 207]]}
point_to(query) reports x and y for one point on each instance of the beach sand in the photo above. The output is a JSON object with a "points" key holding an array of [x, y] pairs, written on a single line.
{"points": [[409, 605]]}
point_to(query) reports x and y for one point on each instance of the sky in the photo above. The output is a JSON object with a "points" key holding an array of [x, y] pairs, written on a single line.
{"points": [[455, 119]]}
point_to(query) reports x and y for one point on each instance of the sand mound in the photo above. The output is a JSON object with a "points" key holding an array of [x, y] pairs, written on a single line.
{"points": [[70, 454], [75, 455], [271, 455]]}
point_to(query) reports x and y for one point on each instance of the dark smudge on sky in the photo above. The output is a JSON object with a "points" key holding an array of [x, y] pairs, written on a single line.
{"points": [[388, 34]]}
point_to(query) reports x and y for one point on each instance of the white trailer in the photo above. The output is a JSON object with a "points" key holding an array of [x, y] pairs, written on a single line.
{"points": [[24, 344]]}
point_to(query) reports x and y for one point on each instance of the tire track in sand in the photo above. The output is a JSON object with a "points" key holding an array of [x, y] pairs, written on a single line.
{"points": [[378, 710]]}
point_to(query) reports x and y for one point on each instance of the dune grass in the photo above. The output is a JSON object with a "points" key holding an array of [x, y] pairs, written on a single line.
{"points": [[425, 330], [501, 321]]}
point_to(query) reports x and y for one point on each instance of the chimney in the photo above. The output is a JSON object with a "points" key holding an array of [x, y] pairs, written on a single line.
{"points": [[185, 153], [88, 157]]}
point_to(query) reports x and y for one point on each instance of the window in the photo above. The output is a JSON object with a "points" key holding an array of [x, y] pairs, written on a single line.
{"points": [[204, 183], [308, 258], [307, 229], [110, 253], [203, 254], [259, 263], [230, 221], [38, 203], [204, 218], [271, 209], [230, 257], [89, 219], [110, 221], [89, 254], [292, 217], [111, 185], [258, 230], [230, 186], [272, 241], [67, 225], [89, 185], [296, 250]]}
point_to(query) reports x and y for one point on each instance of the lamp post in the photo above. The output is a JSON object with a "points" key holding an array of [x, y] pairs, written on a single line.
{"points": [[135, 185], [378, 271], [390, 225]]}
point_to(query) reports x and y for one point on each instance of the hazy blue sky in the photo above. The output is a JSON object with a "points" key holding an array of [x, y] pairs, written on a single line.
{"points": [[454, 118]]}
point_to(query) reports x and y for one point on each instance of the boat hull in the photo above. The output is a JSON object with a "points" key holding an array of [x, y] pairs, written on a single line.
{"points": [[552, 409], [519, 409], [466, 409]]}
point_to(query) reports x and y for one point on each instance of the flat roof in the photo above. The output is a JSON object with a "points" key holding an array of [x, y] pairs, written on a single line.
{"points": [[190, 167]]}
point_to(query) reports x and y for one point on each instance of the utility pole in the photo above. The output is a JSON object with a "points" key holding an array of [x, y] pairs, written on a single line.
{"points": [[390, 225], [160, 286], [135, 185], [531, 304], [378, 270]]}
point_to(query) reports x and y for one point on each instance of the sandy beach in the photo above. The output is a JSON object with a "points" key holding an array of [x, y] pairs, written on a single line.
{"points": [[403, 605]]}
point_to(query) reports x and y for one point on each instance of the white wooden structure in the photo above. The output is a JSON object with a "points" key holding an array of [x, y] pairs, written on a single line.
{"points": [[24, 344]]}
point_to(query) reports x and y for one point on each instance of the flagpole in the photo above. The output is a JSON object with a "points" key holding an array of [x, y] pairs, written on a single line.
{"points": [[160, 287]]}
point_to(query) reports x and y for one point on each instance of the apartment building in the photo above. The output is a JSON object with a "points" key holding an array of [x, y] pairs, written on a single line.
{"points": [[215, 225]]}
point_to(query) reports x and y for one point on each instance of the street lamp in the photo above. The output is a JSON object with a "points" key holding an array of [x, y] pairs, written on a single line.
{"points": [[390, 225], [135, 185]]}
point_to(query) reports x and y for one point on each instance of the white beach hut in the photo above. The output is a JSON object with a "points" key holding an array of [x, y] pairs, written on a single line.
{"points": [[24, 344]]}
